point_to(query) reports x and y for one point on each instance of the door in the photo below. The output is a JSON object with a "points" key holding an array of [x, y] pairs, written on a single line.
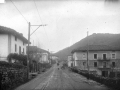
{"points": [[71, 64], [105, 73]]}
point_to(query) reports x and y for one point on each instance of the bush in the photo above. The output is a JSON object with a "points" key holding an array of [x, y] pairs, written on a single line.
{"points": [[111, 82], [11, 75], [21, 59]]}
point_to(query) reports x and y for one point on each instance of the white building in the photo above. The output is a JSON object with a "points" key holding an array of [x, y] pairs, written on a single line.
{"points": [[70, 61], [11, 42], [44, 58], [102, 59]]}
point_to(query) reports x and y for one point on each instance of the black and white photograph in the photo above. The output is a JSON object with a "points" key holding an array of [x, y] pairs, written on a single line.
{"points": [[59, 44]]}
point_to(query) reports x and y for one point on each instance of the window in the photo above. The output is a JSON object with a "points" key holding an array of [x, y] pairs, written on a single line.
{"points": [[104, 56], [104, 64], [113, 64], [15, 38], [23, 43], [84, 55], [15, 48], [95, 64], [19, 49], [95, 56], [113, 56], [84, 63], [23, 50]]}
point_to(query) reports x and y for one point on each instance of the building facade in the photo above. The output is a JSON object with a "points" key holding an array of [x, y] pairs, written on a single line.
{"points": [[38, 54], [70, 61], [11, 42], [44, 58], [102, 59]]}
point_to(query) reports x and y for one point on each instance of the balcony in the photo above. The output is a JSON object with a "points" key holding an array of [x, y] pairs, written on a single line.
{"points": [[104, 67], [103, 59]]}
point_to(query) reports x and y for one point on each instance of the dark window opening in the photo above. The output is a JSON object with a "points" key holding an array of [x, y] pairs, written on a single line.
{"points": [[15, 48], [15, 38], [23, 50], [95, 64], [104, 56], [84, 63], [113, 64], [95, 56], [19, 49]]}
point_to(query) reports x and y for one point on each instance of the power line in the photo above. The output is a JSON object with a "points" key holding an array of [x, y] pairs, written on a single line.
{"points": [[41, 20], [19, 11]]}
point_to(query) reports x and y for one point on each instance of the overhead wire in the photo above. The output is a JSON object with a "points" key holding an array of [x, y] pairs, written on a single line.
{"points": [[26, 19], [19, 11], [41, 20], [21, 14]]}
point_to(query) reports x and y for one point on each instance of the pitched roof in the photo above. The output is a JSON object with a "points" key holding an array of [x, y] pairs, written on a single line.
{"points": [[6, 30], [97, 48], [42, 50], [34, 49]]}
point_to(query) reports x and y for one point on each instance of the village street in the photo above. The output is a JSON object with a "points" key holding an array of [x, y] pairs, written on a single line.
{"points": [[61, 79]]}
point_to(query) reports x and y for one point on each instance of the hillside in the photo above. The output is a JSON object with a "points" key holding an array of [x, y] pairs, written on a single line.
{"points": [[94, 39]]}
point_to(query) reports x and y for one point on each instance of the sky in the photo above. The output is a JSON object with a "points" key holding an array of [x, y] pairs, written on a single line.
{"points": [[67, 21]]}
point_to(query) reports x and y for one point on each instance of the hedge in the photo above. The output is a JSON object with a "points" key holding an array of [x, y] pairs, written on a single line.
{"points": [[11, 75], [110, 82]]}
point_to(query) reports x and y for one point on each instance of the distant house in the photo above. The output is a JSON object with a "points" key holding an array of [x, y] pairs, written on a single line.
{"points": [[38, 54], [11, 42], [34, 55], [103, 59], [45, 57]]}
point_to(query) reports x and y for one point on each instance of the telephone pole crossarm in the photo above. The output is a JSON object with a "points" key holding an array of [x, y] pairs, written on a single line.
{"points": [[36, 28], [39, 25]]}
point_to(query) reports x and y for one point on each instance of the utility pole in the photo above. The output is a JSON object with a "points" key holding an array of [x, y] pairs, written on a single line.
{"points": [[28, 51], [88, 55], [28, 59]]}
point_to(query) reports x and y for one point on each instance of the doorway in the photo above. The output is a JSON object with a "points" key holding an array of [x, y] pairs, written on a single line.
{"points": [[105, 73]]}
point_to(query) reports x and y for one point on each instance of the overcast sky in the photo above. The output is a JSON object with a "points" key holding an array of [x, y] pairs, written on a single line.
{"points": [[67, 21]]}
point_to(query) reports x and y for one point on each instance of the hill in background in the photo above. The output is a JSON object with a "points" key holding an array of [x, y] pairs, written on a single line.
{"points": [[94, 39]]}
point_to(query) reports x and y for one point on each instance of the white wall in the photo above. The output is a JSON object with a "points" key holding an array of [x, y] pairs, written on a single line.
{"points": [[18, 43], [79, 55], [7, 46], [75, 57], [44, 57], [69, 61], [3, 46]]}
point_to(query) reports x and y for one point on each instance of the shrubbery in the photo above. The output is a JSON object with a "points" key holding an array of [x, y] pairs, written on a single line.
{"points": [[111, 82], [11, 75], [18, 58]]}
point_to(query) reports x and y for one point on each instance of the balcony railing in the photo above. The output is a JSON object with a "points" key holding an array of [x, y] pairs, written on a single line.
{"points": [[103, 59], [104, 67]]}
